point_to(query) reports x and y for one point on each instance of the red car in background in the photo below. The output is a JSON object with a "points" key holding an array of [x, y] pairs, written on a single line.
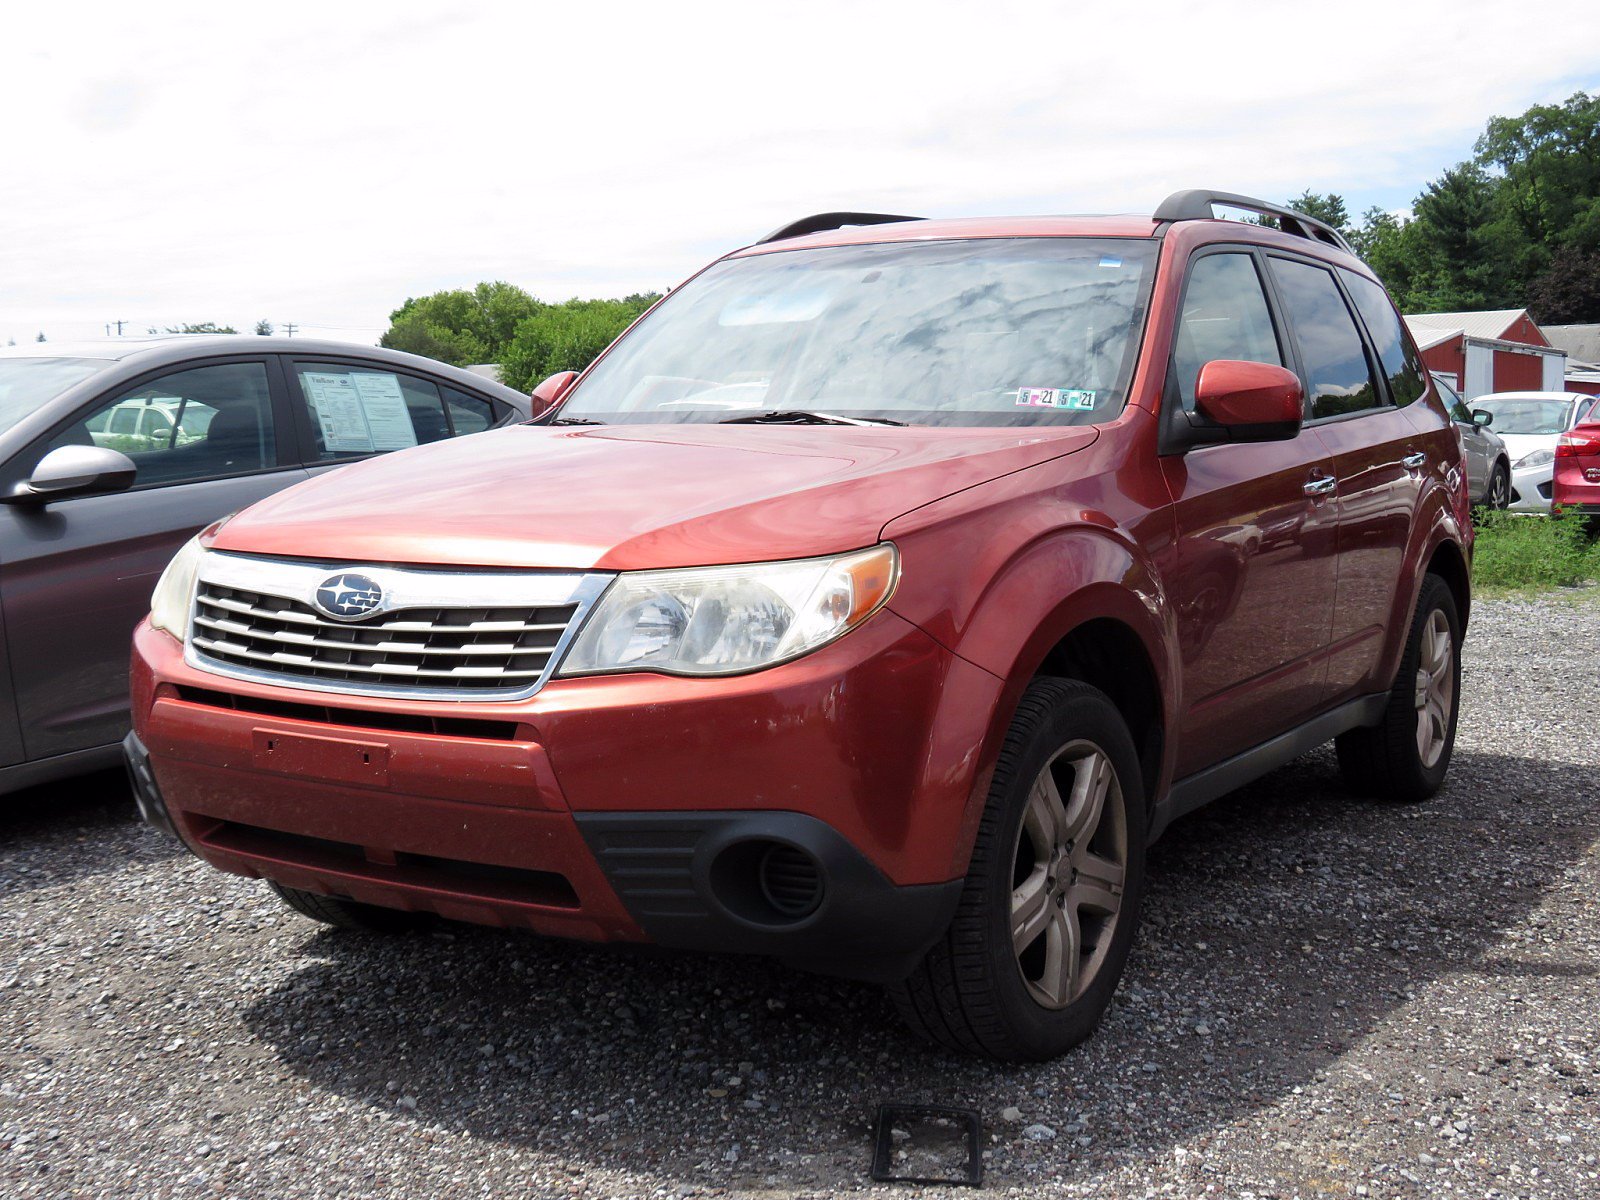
{"points": [[871, 604], [1576, 482]]}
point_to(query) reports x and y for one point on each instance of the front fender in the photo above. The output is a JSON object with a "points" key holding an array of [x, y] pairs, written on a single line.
{"points": [[1002, 586]]}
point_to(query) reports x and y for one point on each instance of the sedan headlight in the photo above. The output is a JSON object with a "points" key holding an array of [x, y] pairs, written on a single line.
{"points": [[169, 603], [728, 620], [1537, 459]]}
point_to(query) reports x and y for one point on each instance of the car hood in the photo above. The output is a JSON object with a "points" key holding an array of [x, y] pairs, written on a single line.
{"points": [[622, 497], [1520, 444]]}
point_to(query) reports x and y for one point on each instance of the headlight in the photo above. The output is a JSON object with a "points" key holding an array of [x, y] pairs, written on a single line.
{"points": [[169, 603], [727, 620], [1537, 459]]}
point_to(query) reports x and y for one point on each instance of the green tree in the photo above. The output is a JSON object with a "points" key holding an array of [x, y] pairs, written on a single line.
{"points": [[460, 326], [1568, 292], [264, 327], [567, 337], [202, 327], [1329, 209], [40, 338]]}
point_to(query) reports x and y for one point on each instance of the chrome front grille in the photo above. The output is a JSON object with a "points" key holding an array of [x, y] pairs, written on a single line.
{"points": [[456, 634]]}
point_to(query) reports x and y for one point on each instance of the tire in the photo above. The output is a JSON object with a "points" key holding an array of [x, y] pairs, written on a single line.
{"points": [[345, 914], [975, 991], [1498, 494], [1388, 761]]}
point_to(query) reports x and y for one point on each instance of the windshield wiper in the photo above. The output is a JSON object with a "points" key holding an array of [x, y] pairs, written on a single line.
{"points": [[795, 416], [575, 421]]}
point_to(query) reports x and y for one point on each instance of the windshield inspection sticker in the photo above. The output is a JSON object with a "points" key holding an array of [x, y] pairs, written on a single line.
{"points": [[1072, 399]]}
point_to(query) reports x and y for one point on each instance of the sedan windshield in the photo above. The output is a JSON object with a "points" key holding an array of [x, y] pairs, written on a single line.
{"points": [[1527, 416], [1017, 331], [26, 383]]}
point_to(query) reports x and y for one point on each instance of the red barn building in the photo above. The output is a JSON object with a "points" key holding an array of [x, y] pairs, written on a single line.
{"points": [[1483, 352]]}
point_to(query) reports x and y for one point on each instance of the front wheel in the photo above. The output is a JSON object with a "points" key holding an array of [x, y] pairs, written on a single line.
{"points": [[1498, 495], [1405, 756], [1051, 899]]}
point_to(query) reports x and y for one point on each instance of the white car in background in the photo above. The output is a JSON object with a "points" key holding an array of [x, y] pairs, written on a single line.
{"points": [[1530, 423]]}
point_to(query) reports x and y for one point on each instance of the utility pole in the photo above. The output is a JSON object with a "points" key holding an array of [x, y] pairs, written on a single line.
{"points": [[288, 328], [120, 324]]}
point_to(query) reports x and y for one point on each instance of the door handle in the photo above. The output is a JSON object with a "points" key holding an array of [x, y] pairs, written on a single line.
{"points": [[1322, 486], [1412, 461]]}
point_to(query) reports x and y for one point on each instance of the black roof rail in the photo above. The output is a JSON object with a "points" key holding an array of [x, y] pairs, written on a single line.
{"points": [[821, 222], [1195, 204]]}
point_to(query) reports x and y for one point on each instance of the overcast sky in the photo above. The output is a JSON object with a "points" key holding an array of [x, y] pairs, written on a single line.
{"points": [[320, 163]]}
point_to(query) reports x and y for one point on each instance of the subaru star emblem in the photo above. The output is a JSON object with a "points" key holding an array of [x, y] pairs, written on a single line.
{"points": [[349, 597]]}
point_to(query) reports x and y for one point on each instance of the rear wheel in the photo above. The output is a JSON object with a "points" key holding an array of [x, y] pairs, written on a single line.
{"points": [[1405, 756], [1048, 910], [345, 914]]}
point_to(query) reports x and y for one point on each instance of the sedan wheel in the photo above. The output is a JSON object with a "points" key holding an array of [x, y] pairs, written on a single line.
{"points": [[1499, 493]]}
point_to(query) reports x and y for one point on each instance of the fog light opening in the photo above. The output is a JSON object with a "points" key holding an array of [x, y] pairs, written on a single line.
{"points": [[766, 882]]}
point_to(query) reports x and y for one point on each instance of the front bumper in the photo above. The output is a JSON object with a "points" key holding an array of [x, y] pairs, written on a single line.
{"points": [[1531, 488], [618, 808]]}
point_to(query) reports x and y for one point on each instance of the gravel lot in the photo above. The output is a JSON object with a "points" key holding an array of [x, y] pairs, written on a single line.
{"points": [[1328, 998]]}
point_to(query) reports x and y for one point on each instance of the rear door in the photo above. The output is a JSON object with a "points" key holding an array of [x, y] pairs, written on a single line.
{"points": [[1378, 456], [1252, 567], [207, 439]]}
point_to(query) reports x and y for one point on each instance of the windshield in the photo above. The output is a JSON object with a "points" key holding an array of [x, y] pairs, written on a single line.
{"points": [[1527, 416], [26, 383], [1020, 331]]}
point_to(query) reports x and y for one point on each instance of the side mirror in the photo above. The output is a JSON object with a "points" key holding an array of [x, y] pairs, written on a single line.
{"points": [[1251, 401], [1482, 418], [76, 471], [549, 393]]}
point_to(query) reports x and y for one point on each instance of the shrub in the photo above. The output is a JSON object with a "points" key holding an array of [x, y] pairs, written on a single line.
{"points": [[1522, 552]]}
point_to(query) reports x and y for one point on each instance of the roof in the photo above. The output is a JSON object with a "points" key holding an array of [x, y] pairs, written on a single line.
{"points": [[1428, 337], [174, 345], [1492, 324], [965, 227], [1579, 341]]}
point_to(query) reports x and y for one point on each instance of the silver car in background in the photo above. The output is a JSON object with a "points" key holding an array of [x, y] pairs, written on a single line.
{"points": [[1484, 452], [1530, 424], [114, 453]]}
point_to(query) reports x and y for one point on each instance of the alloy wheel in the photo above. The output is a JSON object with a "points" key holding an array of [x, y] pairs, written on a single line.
{"points": [[1435, 688], [1068, 870]]}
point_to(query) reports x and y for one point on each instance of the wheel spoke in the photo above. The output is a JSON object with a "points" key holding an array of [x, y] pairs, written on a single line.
{"points": [[1031, 909], [1063, 950], [1098, 886], [1044, 816], [1091, 780]]}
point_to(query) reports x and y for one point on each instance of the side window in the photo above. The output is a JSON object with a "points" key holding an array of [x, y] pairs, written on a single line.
{"points": [[1334, 356], [1225, 315], [201, 423], [1400, 362], [367, 410], [468, 414]]}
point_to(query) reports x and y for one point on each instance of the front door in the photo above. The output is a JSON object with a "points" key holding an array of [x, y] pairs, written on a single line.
{"points": [[1252, 567], [77, 574]]}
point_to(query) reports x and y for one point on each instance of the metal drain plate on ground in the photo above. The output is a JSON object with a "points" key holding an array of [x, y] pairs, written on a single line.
{"points": [[935, 1145]]}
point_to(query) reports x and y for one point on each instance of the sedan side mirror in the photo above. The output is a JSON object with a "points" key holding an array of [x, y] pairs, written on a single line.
{"points": [[1482, 418], [549, 393], [1251, 401], [76, 471]]}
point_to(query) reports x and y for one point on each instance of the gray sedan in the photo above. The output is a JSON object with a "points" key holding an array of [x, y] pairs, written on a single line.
{"points": [[114, 453], [1487, 460]]}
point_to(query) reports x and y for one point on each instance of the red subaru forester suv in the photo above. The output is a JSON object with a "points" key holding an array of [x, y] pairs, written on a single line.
{"points": [[872, 604]]}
